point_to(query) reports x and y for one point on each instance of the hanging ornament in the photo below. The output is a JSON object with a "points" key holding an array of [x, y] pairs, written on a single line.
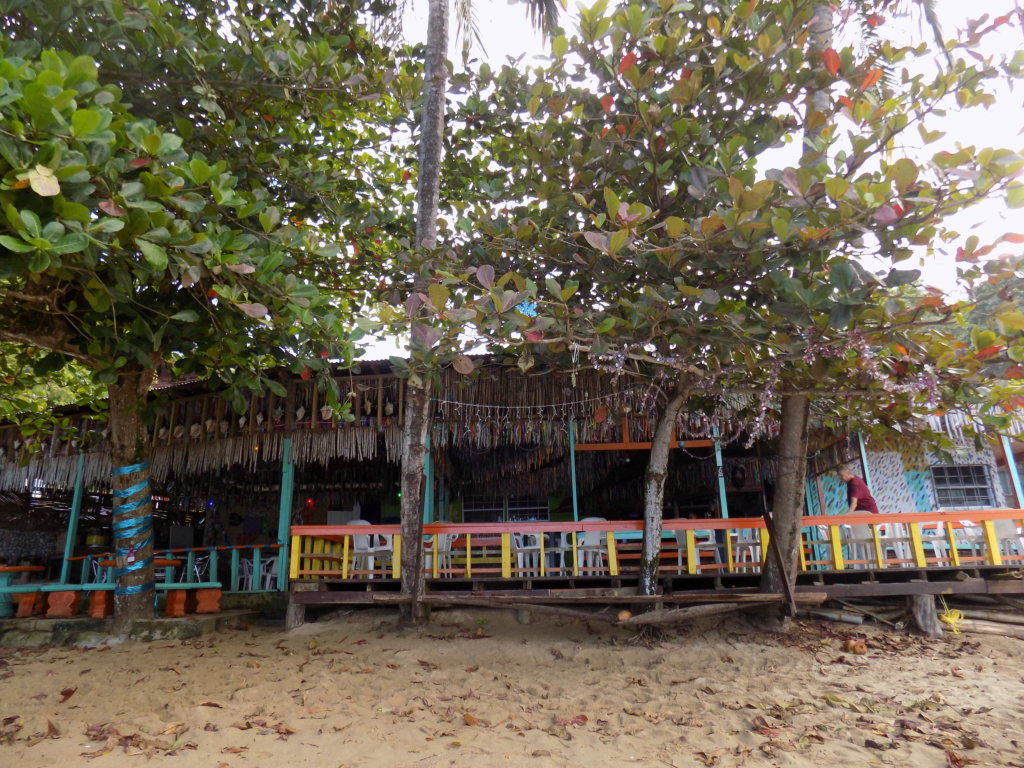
{"points": [[388, 408], [601, 415], [326, 412]]}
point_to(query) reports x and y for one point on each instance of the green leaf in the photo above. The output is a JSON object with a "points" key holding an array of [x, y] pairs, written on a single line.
{"points": [[84, 122], [153, 253], [1015, 195], [439, 295], [560, 46], [39, 262], [611, 202], [186, 316], [43, 181], [675, 226], [15, 244]]}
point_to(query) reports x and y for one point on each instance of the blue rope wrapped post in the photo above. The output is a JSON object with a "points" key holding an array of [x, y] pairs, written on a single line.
{"points": [[127, 530]]}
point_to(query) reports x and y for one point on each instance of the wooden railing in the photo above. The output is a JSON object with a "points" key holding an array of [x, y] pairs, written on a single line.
{"points": [[612, 548]]}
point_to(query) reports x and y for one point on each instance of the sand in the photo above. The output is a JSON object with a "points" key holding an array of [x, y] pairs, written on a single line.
{"points": [[475, 688]]}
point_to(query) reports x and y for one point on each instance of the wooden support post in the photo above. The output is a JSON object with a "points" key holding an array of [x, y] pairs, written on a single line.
{"points": [[506, 556], [954, 553], [995, 557], [469, 555], [235, 576], [917, 546], [396, 556], [877, 541], [293, 560], [864, 460], [284, 513], [613, 555], [836, 545], [692, 555], [926, 618]]}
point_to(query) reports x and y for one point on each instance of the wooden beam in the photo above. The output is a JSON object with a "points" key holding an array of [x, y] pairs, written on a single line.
{"points": [[642, 446]]}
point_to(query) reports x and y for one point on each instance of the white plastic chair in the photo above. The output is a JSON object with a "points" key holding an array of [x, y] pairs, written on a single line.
{"points": [[1011, 542], [703, 541], [591, 549], [527, 549], [748, 550], [366, 549], [861, 546], [444, 553]]}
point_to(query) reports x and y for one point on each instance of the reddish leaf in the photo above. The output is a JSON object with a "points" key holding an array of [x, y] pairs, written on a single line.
{"points": [[607, 102], [871, 78], [254, 310], [406, 175], [138, 162], [988, 352], [578, 720], [628, 62], [111, 208], [1013, 237], [1014, 372], [832, 61], [66, 694], [875, 20], [534, 336], [846, 102]]}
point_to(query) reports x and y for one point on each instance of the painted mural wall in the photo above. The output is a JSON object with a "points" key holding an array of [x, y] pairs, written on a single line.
{"points": [[901, 478]]}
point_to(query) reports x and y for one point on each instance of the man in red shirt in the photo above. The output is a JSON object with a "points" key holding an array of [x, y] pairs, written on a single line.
{"points": [[857, 494]]}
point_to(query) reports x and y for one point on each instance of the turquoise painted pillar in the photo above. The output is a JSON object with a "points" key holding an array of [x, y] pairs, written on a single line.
{"points": [[428, 482], [864, 460], [76, 511], [284, 516], [723, 499], [1011, 468], [572, 468]]}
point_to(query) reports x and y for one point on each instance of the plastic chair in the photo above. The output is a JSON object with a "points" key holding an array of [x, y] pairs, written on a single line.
{"points": [[748, 550], [444, 553], [1011, 542], [527, 549], [591, 549], [366, 550], [860, 542], [704, 541]]}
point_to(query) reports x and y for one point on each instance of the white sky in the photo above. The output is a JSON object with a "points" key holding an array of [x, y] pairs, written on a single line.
{"points": [[506, 32]]}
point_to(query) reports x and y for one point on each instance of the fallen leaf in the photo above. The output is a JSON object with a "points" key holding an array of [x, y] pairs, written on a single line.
{"points": [[470, 719], [66, 694], [211, 704], [234, 750], [578, 720]]}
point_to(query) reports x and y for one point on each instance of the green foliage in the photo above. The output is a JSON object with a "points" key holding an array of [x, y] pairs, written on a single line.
{"points": [[637, 167], [122, 250]]}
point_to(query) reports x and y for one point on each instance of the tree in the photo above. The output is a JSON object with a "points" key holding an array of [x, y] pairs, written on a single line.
{"points": [[633, 188], [121, 250], [433, 331]]}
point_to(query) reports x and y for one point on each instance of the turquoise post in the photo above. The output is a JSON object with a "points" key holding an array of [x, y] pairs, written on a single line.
{"points": [[723, 499], [76, 511], [256, 586], [234, 569], [572, 468], [284, 514], [1011, 468], [864, 460], [428, 483]]}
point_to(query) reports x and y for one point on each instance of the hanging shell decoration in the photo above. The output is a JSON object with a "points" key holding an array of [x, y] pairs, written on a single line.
{"points": [[242, 422], [211, 426], [259, 419], [162, 433], [367, 406], [388, 408], [326, 412], [225, 426], [179, 432], [300, 412], [195, 430]]}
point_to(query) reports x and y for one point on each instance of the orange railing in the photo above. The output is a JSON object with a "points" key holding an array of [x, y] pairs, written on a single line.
{"points": [[612, 547]]}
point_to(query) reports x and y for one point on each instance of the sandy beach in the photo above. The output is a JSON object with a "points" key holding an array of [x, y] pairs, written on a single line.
{"points": [[477, 688]]}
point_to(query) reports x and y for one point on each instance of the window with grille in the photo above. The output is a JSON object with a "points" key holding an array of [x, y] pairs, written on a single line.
{"points": [[965, 485]]}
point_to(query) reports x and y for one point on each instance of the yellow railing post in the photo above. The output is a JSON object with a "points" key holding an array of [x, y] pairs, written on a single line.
{"points": [[836, 545], [995, 557], [803, 555], [506, 555], [318, 548], [917, 546], [433, 556], [344, 556], [729, 557], [543, 565], [613, 555], [877, 540], [954, 554], [575, 557], [764, 546], [293, 562], [692, 555], [396, 556], [469, 555]]}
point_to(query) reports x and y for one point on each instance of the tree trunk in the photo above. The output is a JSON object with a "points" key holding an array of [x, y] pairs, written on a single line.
{"points": [[414, 434], [417, 401], [788, 506], [654, 489], [133, 524]]}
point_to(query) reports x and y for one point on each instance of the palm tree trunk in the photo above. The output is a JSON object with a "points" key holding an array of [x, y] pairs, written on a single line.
{"points": [[417, 403]]}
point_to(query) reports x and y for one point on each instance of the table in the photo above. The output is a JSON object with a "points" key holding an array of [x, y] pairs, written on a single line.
{"points": [[6, 572]]}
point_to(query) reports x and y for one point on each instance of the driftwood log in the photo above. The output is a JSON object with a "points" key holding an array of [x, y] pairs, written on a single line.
{"points": [[990, 628], [683, 615]]}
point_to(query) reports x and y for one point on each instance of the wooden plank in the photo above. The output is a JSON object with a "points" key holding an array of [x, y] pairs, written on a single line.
{"points": [[629, 446], [968, 587]]}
